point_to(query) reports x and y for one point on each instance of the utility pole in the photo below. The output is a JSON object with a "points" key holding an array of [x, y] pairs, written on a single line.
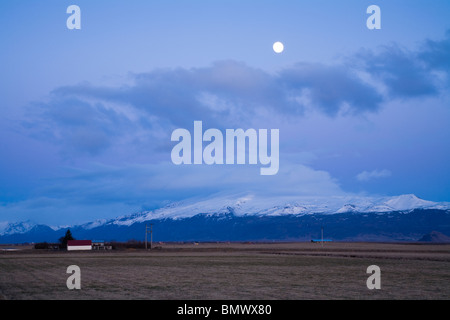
{"points": [[322, 235], [151, 235]]}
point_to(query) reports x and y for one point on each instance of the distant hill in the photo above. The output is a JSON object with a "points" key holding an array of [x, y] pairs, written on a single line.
{"points": [[436, 237]]}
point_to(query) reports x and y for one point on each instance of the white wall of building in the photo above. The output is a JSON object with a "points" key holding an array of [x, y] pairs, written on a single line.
{"points": [[71, 248]]}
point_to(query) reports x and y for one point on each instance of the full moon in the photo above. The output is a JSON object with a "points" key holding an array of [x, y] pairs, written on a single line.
{"points": [[278, 47]]}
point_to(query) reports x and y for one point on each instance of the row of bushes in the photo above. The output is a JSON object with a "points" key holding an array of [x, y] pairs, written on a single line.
{"points": [[48, 246], [131, 244]]}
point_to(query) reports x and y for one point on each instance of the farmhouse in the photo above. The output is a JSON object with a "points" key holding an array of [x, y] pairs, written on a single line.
{"points": [[79, 245]]}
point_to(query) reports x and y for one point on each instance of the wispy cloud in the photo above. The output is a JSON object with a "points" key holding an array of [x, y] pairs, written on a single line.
{"points": [[374, 174]]}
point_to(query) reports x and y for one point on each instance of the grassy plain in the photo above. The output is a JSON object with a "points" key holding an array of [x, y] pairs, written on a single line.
{"points": [[225, 271]]}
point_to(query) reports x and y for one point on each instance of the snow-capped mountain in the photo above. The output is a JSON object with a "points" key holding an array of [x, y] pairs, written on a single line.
{"points": [[278, 206], [253, 217], [16, 227]]}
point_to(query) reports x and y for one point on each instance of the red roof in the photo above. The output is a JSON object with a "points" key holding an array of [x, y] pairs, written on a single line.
{"points": [[79, 242]]}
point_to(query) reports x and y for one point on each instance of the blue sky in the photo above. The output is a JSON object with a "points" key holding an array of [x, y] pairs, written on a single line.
{"points": [[86, 115]]}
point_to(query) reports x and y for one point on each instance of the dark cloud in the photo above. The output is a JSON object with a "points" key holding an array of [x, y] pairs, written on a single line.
{"points": [[406, 73], [230, 93], [77, 125], [227, 93], [332, 87], [400, 71], [436, 54]]}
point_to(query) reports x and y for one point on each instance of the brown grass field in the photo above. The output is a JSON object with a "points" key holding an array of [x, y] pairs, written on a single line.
{"points": [[231, 271]]}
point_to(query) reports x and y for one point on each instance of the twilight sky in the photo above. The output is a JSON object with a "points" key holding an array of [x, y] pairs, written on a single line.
{"points": [[86, 115]]}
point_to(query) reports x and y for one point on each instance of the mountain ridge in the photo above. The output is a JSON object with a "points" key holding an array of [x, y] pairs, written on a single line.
{"points": [[245, 212]]}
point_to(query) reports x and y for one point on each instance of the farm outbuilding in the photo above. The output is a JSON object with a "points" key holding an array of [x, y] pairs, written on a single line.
{"points": [[100, 245], [79, 245]]}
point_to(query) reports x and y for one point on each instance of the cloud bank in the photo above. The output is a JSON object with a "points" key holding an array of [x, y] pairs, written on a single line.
{"points": [[91, 118]]}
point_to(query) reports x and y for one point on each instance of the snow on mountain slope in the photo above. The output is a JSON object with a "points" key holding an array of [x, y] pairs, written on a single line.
{"points": [[94, 224], [16, 227], [408, 201], [347, 208], [241, 205]]}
